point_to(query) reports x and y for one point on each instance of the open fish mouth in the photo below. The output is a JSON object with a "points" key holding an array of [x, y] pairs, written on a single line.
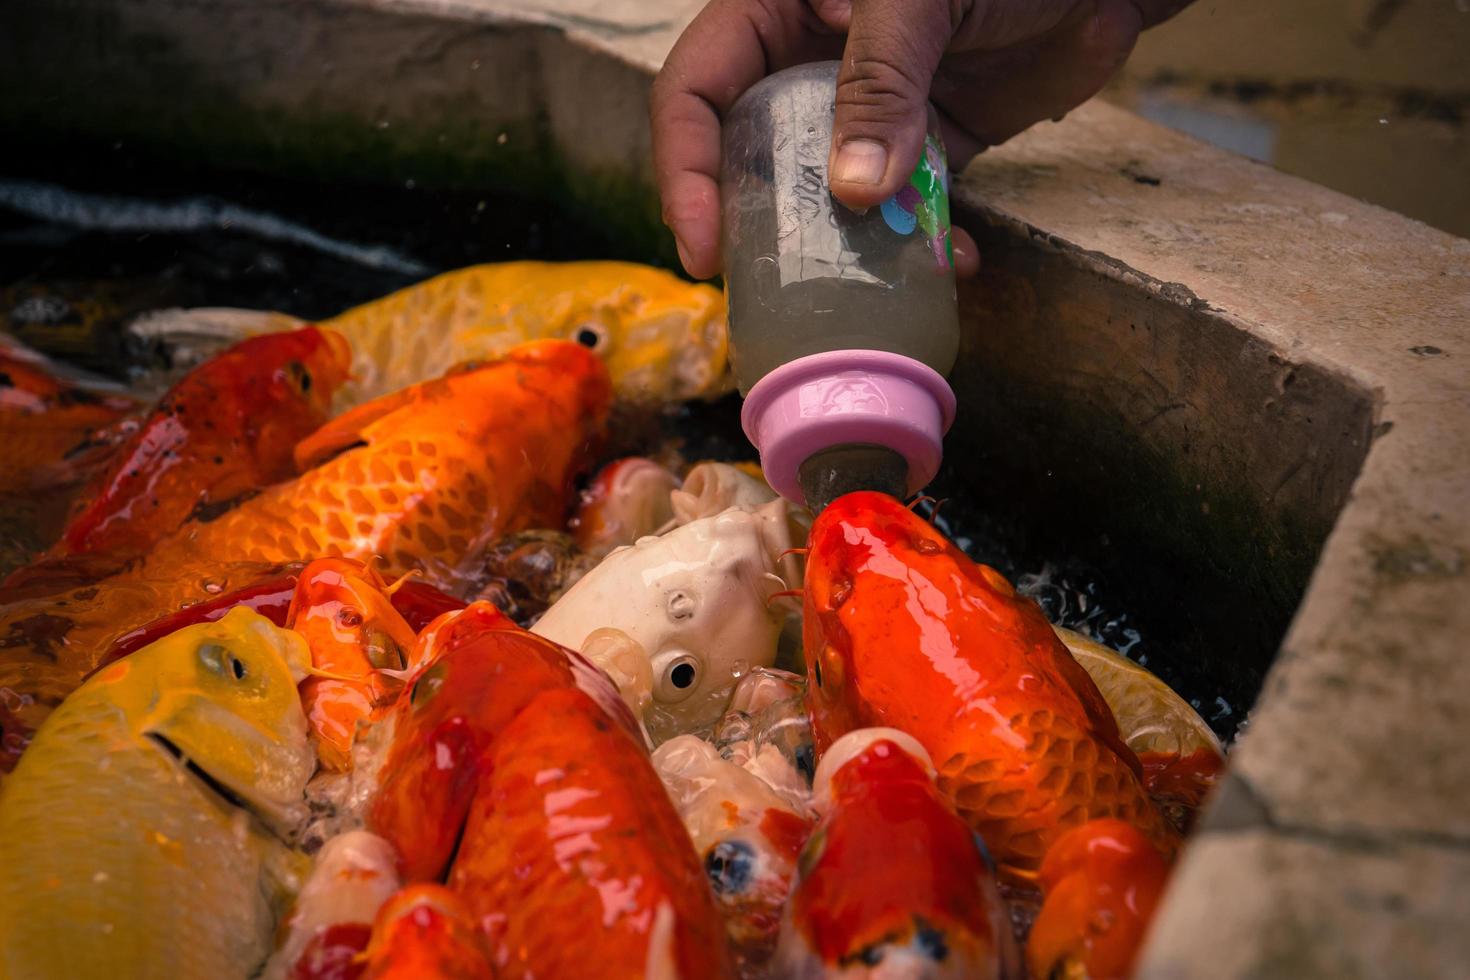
{"points": [[212, 786]]}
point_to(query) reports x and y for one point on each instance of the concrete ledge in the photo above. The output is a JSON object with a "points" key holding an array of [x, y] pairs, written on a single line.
{"points": [[1253, 387]]}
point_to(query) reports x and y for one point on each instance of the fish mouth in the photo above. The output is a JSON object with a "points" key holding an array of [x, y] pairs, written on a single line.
{"points": [[223, 793]]}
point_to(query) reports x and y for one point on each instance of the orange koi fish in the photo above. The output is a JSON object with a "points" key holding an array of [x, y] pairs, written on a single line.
{"points": [[424, 931], [892, 882], [44, 418], [1102, 882], [519, 760], [343, 610], [422, 479], [903, 630], [228, 428]]}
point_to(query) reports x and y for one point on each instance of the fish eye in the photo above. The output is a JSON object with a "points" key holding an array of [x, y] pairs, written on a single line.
{"points": [[382, 652], [428, 685], [730, 865], [592, 336], [677, 679], [806, 760], [299, 375], [349, 618], [218, 659]]}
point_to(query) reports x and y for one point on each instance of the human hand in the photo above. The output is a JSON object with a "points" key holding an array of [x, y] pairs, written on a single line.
{"points": [[991, 68]]}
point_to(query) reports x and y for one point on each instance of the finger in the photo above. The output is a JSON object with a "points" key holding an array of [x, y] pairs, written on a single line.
{"points": [[727, 48], [993, 96], [966, 255], [893, 49]]}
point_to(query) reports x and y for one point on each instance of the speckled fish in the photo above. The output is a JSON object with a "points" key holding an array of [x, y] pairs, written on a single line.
{"points": [[227, 429], [892, 883], [662, 338], [143, 832], [1102, 882], [903, 630], [519, 761], [422, 479]]}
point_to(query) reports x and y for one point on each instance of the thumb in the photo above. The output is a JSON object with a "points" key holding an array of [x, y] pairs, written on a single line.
{"points": [[893, 49]]}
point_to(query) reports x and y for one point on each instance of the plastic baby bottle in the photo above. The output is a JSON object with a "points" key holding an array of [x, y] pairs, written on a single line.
{"points": [[842, 323]]}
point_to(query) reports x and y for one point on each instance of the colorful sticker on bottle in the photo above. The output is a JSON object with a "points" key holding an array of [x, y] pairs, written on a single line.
{"points": [[924, 203]]}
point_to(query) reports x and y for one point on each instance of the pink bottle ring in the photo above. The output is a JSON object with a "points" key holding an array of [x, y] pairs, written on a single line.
{"points": [[845, 397]]}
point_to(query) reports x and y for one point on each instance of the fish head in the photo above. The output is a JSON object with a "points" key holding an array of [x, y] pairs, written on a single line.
{"points": [[901, 625], [1102, 881], [697, 599], [359, 648], [426, 930], [220, 700], [746, 833], [343, 609], [305, 368], [663, 339], [628, 499], [871, 903]]}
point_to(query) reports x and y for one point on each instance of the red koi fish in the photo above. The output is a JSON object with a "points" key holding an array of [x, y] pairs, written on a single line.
{"points": [[227, 429], [520, 761], [892, 882], [426, 931], [903, 630], [1102, 882]]}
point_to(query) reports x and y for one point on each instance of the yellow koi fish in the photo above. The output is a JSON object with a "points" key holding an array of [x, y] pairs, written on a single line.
{"points": [[143, 833], [663, 339]]}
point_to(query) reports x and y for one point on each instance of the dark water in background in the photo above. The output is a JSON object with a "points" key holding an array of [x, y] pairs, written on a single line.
{"points": [[69, 290]]}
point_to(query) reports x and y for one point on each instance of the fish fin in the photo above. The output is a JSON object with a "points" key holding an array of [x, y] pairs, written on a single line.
{"points": [[221, 324], [661, 963], [346, 430]]}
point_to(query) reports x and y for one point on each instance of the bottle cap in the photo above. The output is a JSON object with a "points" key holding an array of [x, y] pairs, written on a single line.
{"points": [[846, 397]]}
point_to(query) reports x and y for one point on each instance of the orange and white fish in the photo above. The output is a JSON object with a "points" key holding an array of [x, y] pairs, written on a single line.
{"points": [[892, 883], [903, 630]]}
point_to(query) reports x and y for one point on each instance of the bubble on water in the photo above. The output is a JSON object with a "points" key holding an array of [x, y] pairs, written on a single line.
{"points": [[1222, 709]]}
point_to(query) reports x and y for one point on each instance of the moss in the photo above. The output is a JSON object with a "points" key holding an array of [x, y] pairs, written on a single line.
{"points": [[142, 90]]}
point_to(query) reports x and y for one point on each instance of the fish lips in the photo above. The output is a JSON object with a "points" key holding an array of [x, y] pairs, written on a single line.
{"points": [[240, 766]]}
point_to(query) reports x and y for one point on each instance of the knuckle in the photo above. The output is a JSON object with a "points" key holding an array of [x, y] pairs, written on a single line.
{"points": [[881, 85]]}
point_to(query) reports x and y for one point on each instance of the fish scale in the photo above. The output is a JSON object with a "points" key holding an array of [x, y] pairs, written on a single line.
{"points": [[904, 630]]}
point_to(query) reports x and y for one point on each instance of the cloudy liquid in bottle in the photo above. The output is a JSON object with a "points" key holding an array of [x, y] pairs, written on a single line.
{"points": [[804, 274]]}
